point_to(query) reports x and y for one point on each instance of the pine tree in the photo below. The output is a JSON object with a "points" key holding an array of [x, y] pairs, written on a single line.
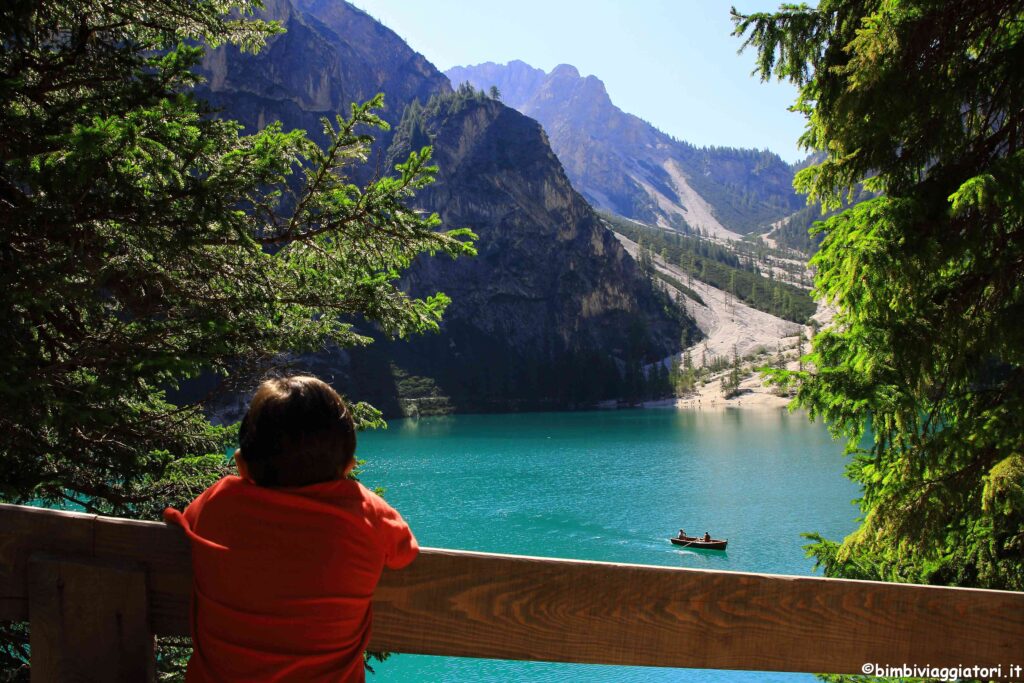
{"points": [[645, 262], [147, 242], [920, 102], [686, 377]]}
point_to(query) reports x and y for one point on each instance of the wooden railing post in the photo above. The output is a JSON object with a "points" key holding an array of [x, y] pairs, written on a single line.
{"points": [[88, 621]]}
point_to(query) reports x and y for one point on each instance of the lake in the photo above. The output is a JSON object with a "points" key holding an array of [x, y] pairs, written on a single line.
{"points": [[611, 486]]}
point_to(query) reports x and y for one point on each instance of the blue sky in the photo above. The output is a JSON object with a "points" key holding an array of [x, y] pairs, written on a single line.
{"points": [[670, 62]]}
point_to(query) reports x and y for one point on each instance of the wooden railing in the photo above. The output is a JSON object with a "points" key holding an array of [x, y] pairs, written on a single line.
{"points": [[95, 590]]}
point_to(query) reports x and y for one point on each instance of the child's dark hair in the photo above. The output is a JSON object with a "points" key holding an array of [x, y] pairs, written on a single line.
{"points": [[298, 431]]}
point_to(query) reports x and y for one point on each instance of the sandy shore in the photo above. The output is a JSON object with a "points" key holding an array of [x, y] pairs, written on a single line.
{"points": [[753, 395]]}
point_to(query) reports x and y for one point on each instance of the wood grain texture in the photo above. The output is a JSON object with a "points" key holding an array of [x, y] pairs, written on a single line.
{"points": [[482, 605], [162, 551], [165, 555], [88, 621], [26, 530], [544, 609]]}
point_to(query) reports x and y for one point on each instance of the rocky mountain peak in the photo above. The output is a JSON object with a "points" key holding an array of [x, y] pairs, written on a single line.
{"points": [[565, 71], [331, 54], [625, 165]]}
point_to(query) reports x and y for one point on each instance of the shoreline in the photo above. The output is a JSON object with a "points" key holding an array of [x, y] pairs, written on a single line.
{"points": [[753, 395], [745, 401], [715, 401]]}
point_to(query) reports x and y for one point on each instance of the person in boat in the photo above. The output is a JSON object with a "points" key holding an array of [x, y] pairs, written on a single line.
{"points": [[682, 533], [707, 537]]}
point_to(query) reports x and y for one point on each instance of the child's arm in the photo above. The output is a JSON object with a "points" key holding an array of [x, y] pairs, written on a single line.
{"points": [[400, 546], [187, 520]]}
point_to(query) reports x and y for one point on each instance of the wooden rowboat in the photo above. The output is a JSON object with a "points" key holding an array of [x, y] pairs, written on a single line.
{"points": [[698, 542]]}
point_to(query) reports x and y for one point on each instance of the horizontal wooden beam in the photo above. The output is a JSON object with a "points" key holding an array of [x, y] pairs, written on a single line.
{"points": [[510, 607]]}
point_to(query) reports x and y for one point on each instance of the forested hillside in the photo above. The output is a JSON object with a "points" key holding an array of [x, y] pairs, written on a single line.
{"points": [[722, 267], [799, 231]]}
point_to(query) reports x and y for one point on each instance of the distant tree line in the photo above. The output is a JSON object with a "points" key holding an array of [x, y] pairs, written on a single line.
{"points": [[420, 122], [685, 377]]}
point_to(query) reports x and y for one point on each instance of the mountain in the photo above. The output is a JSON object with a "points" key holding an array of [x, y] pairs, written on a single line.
{"points": [[331, 55], [625, 165], [551, 313]]}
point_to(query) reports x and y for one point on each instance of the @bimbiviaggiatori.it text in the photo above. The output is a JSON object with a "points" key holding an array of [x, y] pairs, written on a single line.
{"points": [[944, 673]]}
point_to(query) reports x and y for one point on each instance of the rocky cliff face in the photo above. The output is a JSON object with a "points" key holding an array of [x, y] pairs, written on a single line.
{"points": [[552, 306], [623, 164], [552, 312], [332, 54]]}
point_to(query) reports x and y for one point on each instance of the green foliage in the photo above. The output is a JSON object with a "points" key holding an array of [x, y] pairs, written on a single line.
{"points": [[730, 383], [147, 242], [721, 267], [414, 386], [800, 231], [795, 232], [684, 377], [421, 122], [922, 371]]}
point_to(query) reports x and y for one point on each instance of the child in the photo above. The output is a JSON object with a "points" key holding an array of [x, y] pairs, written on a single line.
{"points": [[287, 554]]}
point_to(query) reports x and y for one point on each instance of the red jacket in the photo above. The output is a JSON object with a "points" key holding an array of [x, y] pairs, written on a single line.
{"points": [[283, 578]]}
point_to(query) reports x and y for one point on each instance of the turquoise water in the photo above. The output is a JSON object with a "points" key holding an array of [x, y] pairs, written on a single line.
{"points": [[611, 486]]}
